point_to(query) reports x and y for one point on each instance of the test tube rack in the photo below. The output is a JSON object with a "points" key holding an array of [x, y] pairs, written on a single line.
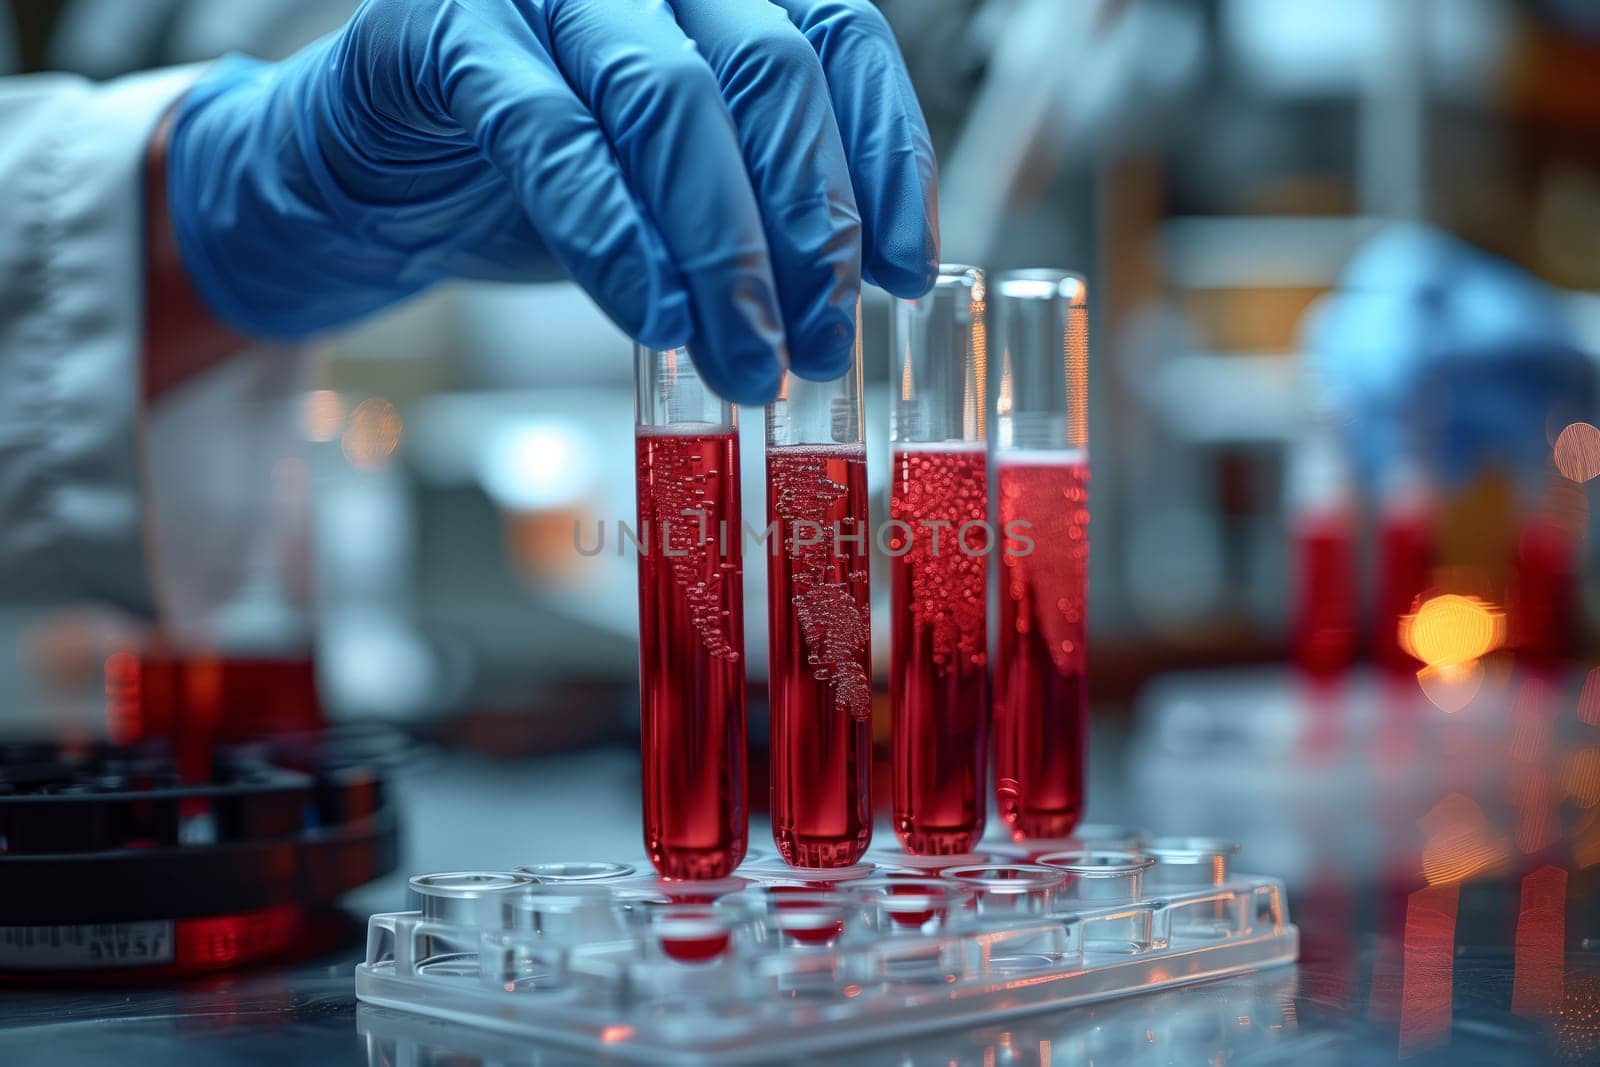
{"points": [[773, 961]]}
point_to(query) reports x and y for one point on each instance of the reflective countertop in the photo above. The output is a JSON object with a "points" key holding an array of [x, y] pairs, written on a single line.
{"points": [[1394, 966]]}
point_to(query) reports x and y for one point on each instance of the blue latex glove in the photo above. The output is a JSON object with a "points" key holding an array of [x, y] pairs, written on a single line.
{"points": [[1437, 352], [713, 172]]}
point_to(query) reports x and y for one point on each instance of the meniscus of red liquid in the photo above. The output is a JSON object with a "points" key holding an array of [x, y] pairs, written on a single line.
{"points": [[821, 644], [1041, 694], [938, 671], [691, 652]]}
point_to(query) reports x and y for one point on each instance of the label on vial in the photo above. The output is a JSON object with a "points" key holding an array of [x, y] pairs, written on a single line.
{"points": [[85, 947]]}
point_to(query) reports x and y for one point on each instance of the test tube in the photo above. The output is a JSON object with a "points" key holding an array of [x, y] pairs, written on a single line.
{"points": [[1042, 480], [819, 599], [1406, 551], [1324, 608], [939, 540], [691, 620]]}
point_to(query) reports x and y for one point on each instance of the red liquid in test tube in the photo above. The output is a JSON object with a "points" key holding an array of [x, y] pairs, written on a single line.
{"points": [[938, 679], [691, 645], [1041, 693], [821, 638]]}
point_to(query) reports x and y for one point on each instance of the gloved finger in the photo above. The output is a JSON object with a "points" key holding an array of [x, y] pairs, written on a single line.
{"points": [[775, 90], [663, 111], [521, 114], [891, 156]]}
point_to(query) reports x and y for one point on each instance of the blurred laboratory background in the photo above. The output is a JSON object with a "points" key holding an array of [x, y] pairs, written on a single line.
{"points": [[1344, 266]]}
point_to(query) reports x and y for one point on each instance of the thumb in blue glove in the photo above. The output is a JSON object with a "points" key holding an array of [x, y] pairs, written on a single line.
{"points": [[713, 172]]}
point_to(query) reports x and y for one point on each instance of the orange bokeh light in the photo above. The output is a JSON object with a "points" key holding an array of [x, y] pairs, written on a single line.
{"points": [[1577, 452], [1580, 777], [1460, 841], [373, 433], [1449, 630]]}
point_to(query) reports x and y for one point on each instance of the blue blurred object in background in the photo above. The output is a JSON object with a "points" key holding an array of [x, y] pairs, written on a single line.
{"points": [[1431, 350]]}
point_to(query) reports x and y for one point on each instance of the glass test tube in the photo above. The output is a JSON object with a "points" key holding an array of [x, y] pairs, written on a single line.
{"points": [[691, 620], [819, 604], [939, 540], [1324, 608], [1406, 551], [1042, 475]]}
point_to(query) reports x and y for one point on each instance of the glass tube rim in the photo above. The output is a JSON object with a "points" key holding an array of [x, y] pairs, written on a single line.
{"points": [[727, 413], [1042, 283], [951, 274]]}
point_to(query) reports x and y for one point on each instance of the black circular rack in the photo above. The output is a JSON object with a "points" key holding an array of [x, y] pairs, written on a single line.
{"points": [[99, 835]]}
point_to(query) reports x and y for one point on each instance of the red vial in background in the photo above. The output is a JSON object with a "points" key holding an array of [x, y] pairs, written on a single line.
{"points": [[938, 672], [691, 648], [819, 605], [1323, 628], [1405, 563], [198, 699], [1041, 716], [1544, 585]]}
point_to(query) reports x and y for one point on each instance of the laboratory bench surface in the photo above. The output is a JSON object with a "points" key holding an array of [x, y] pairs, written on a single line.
{"points": [[1354, 997]]}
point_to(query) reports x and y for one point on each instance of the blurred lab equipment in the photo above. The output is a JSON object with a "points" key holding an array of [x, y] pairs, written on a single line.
{"points": [[120, 864], [107, 38], [1447, 371]]}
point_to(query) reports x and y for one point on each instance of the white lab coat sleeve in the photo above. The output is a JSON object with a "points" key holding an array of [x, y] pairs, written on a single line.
{"points": [[72, 502]]}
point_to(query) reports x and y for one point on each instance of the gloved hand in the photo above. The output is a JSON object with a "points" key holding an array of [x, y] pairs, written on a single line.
{"points": [[719, 173], [1434, 351]]}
